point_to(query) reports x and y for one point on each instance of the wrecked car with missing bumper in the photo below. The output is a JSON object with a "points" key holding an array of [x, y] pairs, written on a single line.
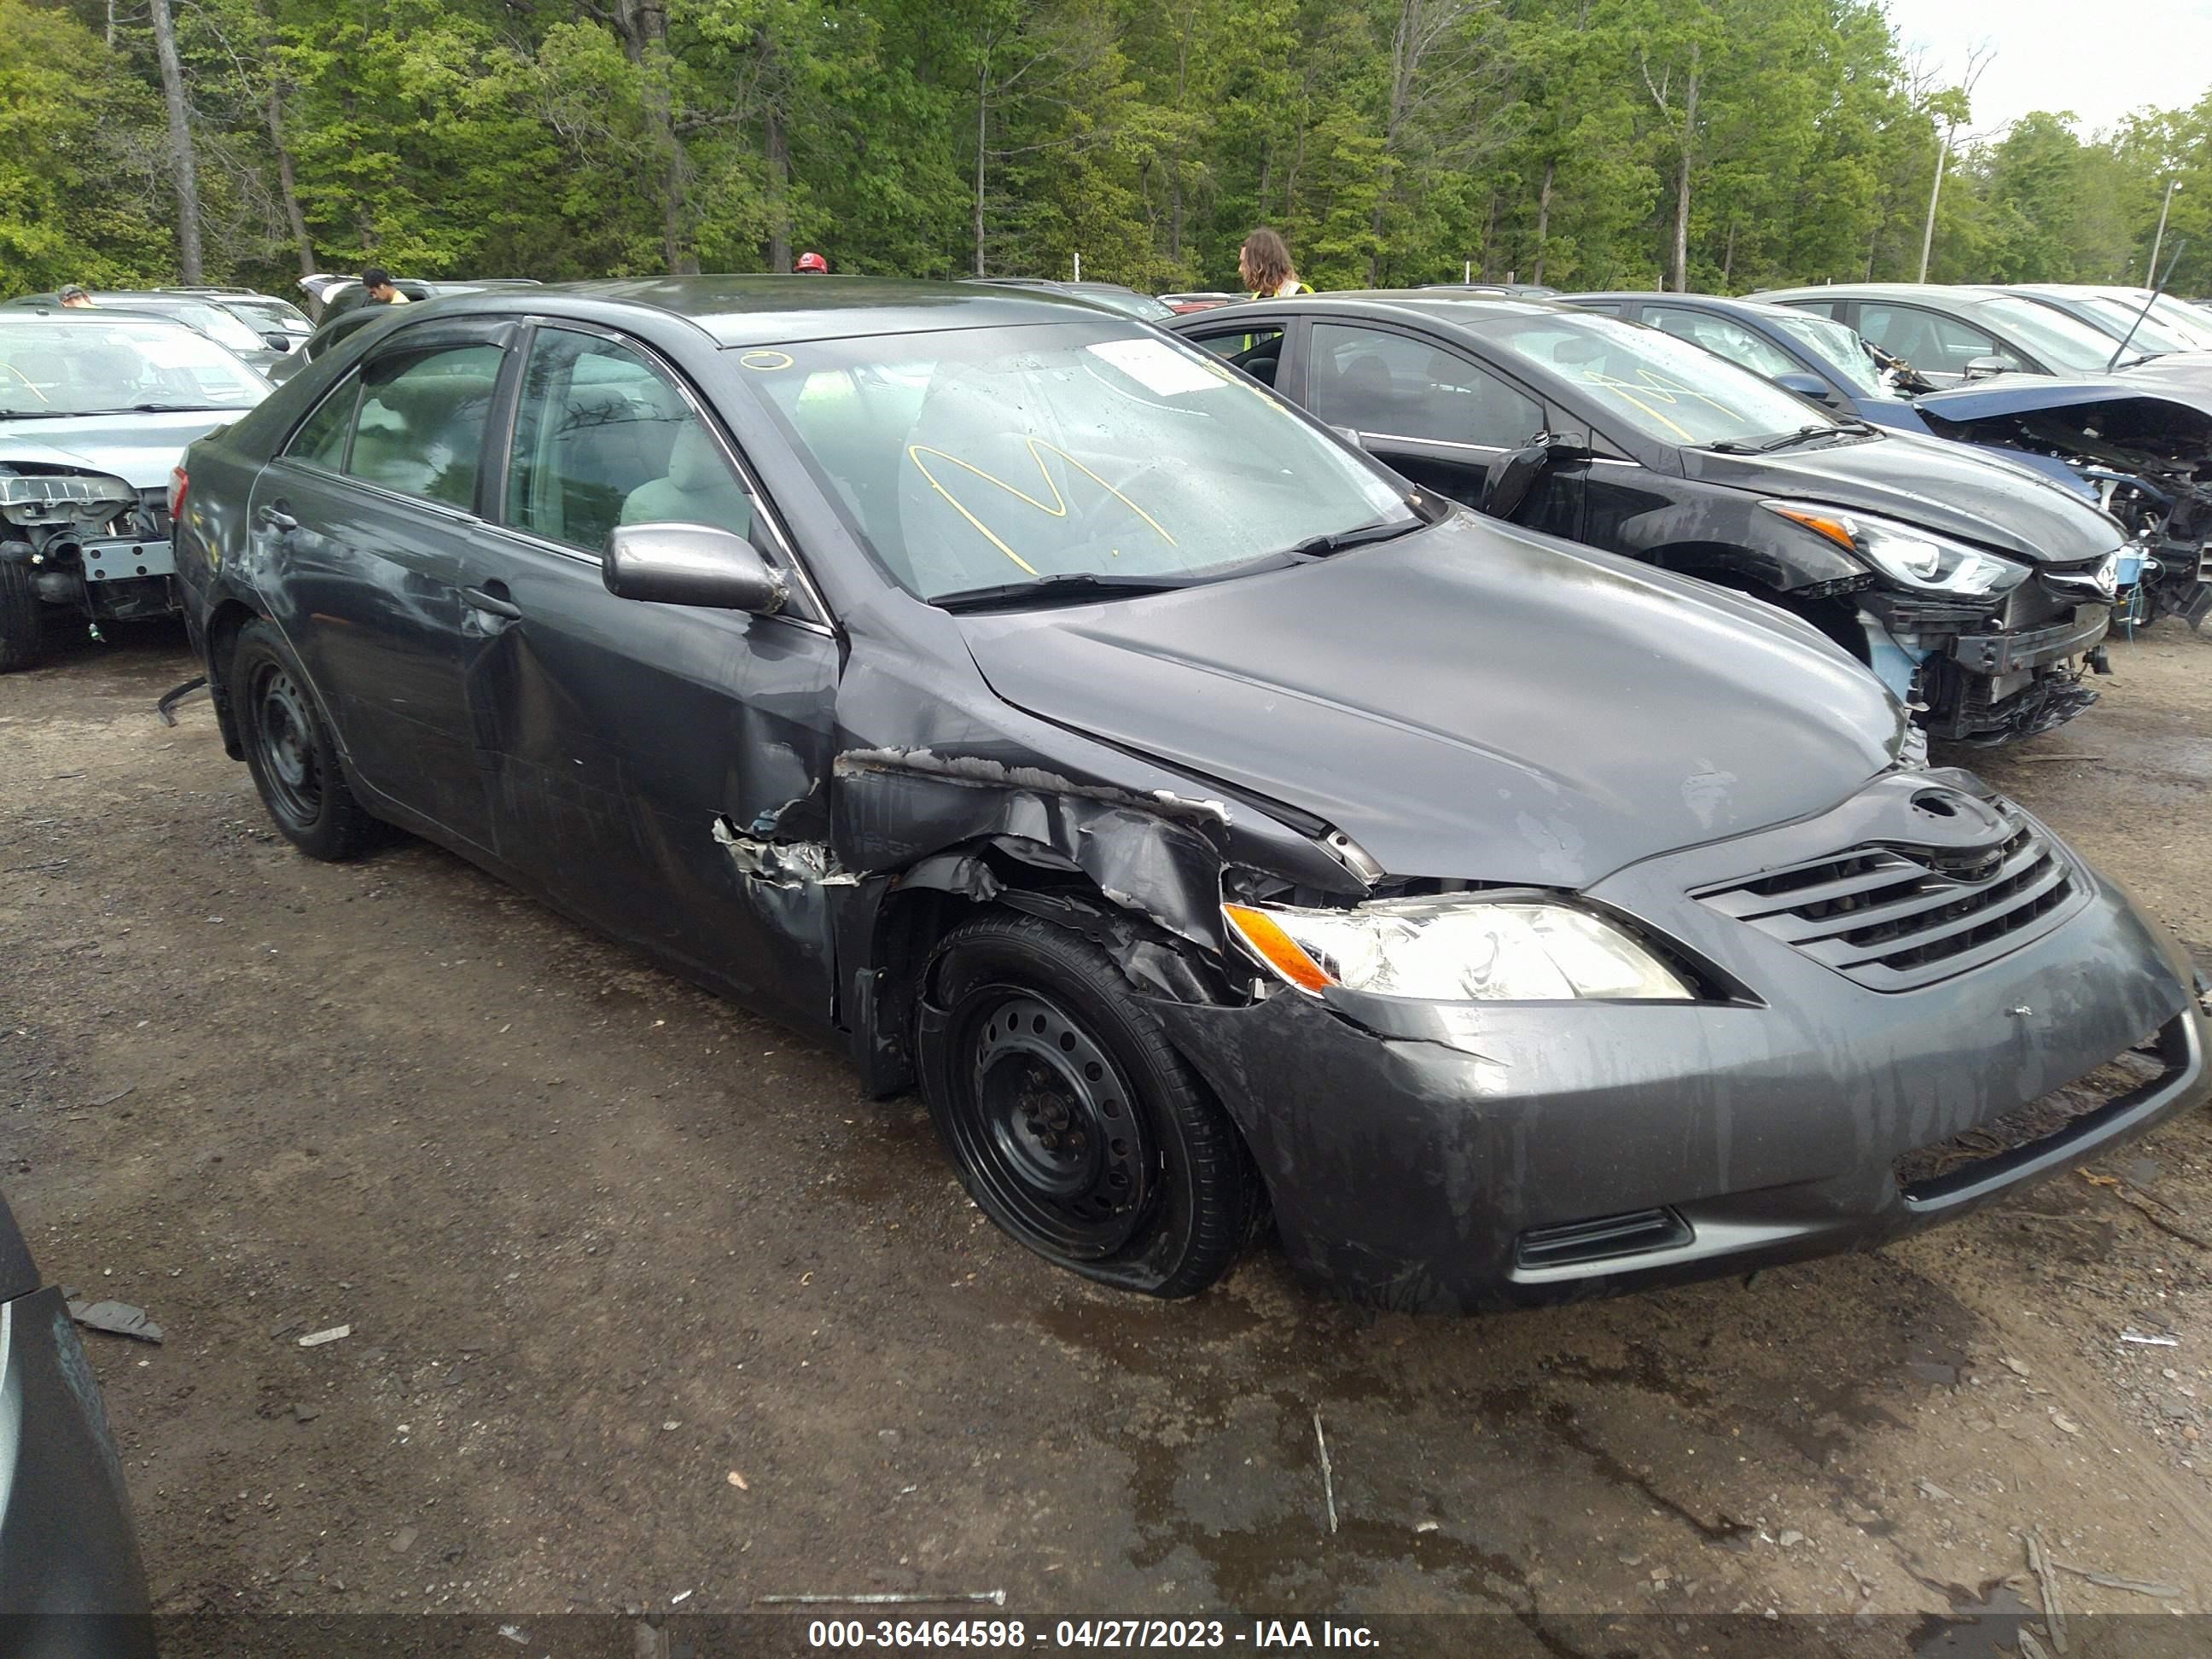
{"points": [[1975, 592], [1213, 827], [95, 410]]}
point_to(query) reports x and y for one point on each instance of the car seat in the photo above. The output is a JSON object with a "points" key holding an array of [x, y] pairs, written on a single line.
{"points": [[699, 489]]}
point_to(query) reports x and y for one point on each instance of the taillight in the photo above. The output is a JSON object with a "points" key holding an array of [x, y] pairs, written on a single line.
{"points": [[178, 484]]}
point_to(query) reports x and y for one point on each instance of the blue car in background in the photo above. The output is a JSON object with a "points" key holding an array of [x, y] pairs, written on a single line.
{"points": [[2139, 445]]}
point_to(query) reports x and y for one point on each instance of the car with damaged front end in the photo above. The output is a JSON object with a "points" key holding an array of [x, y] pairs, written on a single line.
{"points": [[95, 409], [2139, 446], [1213, 826], [1975, 591]]}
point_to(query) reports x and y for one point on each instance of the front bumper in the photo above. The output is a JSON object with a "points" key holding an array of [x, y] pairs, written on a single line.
{"points": [[1454, 1158], [1999, 655]]}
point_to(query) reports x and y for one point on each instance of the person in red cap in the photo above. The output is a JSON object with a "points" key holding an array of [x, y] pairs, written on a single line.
{"points": [[813, 261]]}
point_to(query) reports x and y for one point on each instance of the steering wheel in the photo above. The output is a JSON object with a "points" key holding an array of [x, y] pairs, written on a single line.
{"points": [[29, 383]]}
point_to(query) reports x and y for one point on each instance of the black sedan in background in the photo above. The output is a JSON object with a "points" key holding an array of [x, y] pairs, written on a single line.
{"points": [[70, 1582], [1973, 590], [2139, 448], [1210, 824]]}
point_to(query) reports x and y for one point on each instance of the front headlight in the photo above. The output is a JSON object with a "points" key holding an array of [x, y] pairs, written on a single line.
{"points": [[1917, 558], [1456, 949]]}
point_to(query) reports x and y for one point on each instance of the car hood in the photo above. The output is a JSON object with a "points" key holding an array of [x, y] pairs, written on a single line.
{"points": [[1925, 482], [140, 449], [2029, 394], [1468, 701]]}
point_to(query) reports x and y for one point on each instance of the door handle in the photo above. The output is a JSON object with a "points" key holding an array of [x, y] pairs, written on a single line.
{"points": [[491, 603], [270, 516]]}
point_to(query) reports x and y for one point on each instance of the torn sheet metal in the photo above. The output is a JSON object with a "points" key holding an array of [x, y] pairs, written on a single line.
{"points": [[1155, 856], [780, 864]]}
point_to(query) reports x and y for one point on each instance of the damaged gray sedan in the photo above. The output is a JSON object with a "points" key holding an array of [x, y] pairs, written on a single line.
{"points": [[1213, 827]]}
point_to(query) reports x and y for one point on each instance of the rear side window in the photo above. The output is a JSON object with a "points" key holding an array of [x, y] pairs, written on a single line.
{"points": [[1396, 386], [321, 439], [604, 438], [421, 426]]}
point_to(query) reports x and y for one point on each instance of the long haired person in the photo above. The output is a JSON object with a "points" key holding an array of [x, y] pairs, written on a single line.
{"points": [[1263, 265]]}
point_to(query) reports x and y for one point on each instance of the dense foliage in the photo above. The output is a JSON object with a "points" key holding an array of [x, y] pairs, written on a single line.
{"points": [[1724, 144]]}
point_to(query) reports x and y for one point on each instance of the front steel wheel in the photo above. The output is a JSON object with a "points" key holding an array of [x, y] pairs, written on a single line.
{"points": [[1074, 1123]]}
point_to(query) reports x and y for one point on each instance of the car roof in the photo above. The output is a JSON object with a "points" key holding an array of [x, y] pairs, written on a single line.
{"points": [[1722, 303], [1931, 292], [1474, 312], [742, 311], [99, 317]]}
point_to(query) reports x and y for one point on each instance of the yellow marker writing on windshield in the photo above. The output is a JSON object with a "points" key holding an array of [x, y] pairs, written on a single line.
{"points": [[1057, 506]]}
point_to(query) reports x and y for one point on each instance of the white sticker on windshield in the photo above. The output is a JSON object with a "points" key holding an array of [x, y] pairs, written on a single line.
{"points": [[1159, 366]]}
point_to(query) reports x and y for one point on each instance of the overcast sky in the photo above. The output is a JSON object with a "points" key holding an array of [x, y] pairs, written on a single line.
{"points": [[2100, 61]]}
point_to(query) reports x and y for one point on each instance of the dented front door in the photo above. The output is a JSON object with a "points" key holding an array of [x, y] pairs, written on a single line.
{"points": [[636, 751]]}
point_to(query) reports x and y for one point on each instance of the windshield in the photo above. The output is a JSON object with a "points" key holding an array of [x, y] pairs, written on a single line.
{"points": [[971, 458], [2117, 319], [94, 368], [2170, 326], [1840, 349], [2066, 344], [218, 324], [271, 314], [1665, 388], [1128, 300]]}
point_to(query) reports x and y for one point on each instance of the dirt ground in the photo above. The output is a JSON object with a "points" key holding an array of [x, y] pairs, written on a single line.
{"points": [[646, 1300]]}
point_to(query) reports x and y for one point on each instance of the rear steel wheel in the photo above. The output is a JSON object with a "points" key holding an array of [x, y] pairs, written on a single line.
{"points": [[290, 752]]}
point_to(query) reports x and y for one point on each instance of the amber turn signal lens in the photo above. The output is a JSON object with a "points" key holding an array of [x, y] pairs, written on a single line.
{"points": [[1276, 948], [1834, 529]]}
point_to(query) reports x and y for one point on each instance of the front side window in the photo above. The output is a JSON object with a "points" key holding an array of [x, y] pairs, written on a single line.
{"points": [[1840, 349], [1934, 344], [1257, 351], [1724, 338], [1655, 384], [602, 439], [1401, 388], [980, 457], [421, 426]]}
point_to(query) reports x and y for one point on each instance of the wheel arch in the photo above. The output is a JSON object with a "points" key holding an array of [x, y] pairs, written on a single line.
{"points": [[908, 913], [1812, 591], [220, 631]]}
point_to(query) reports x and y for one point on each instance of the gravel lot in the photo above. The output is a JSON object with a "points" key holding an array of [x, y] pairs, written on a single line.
{"points": [[646, 1299]]}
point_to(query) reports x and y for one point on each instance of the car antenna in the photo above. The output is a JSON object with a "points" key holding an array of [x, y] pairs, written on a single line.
{"points": [[2157, 287]]}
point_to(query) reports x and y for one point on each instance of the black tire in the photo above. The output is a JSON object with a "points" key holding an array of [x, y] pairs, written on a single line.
{"points": [[23, 619], [1072, 1121], [290, 752]]}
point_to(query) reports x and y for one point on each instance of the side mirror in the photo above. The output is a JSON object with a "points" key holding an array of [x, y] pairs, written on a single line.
{"points": [[1511, 476], [276, 340], [691, 564], [1810, 387], [1980, 369], [1351, 435]]}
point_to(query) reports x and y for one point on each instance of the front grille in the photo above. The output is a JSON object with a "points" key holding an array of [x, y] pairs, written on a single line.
{"points": [[1931, 1172], [1895, 917]]}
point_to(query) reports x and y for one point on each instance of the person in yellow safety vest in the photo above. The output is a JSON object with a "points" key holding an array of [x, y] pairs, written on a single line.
{"points": [[1263, 265]]}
